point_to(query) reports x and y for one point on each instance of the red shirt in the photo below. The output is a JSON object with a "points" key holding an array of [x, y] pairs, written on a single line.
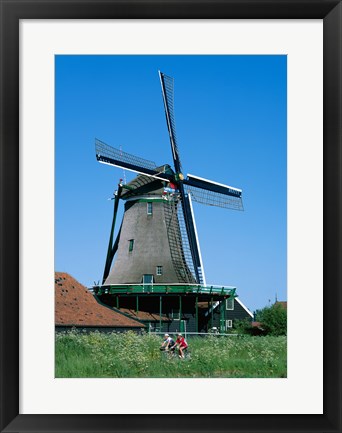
{"points": [[181, 341]]}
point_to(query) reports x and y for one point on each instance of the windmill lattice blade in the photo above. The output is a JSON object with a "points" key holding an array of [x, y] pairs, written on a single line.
{"points": [[109, 155], [212, 198], [186, 248], [167, 84], [190, 234], [178, 242]]}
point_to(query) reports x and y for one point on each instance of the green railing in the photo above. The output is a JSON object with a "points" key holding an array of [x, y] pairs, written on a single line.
{"points": [[164, 289]]}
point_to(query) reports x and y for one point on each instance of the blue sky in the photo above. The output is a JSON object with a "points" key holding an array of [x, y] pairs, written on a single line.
{"points": [[230, 116]]}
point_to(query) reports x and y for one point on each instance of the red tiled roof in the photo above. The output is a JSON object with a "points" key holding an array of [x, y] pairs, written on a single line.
{"points": [[76, 306], [282, 304], [256, 324]]}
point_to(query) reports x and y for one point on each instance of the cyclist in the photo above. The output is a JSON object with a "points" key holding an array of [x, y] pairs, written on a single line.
{"points": [[168, 343], [182, 345]]}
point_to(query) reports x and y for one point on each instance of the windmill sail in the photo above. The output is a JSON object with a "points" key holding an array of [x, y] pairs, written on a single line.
{"points": [[191, 235], [212, 193], [116, 157], [167, 84], [178, 242], [200, 268]]}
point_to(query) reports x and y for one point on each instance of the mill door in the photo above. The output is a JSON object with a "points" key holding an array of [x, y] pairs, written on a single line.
{"points": [[147, 282]]}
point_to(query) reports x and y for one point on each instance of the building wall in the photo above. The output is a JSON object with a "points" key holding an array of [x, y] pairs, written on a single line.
{"points": [[209, 320], [239, 313]]}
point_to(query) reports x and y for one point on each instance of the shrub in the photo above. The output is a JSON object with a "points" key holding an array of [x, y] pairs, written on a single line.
{"points": [[242, 326], [273, 319]]}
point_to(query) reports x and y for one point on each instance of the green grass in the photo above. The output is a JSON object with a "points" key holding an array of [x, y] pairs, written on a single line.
{"points": [[131, 355]]}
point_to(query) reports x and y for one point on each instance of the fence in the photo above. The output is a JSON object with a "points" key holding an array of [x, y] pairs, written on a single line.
{"points": [[199, 334]]}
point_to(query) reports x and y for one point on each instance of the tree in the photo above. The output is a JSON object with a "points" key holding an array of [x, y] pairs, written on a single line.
{"points": [[273, 319]]}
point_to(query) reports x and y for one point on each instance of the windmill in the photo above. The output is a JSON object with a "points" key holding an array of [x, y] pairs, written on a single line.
{"points": [[157, 243]]}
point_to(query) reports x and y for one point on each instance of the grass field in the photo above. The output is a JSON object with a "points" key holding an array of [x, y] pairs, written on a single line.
{"points": [[131, 355]]}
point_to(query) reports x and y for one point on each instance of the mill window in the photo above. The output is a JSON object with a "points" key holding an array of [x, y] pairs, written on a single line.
{"points": [[159, 270], [229, 323], [230, 304], [130, 245], [149, 208]]}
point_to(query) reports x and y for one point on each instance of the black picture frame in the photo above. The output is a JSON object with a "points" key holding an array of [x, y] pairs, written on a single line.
{"points": [[12, 11]]}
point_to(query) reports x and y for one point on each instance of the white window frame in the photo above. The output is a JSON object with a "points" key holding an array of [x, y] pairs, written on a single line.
{"points": [[159, 270], [229, 324], [149, 208], [232, 301]]}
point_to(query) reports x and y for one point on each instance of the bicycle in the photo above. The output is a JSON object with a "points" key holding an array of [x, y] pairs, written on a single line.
{"points": [[166, 353], [186, 353]]}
